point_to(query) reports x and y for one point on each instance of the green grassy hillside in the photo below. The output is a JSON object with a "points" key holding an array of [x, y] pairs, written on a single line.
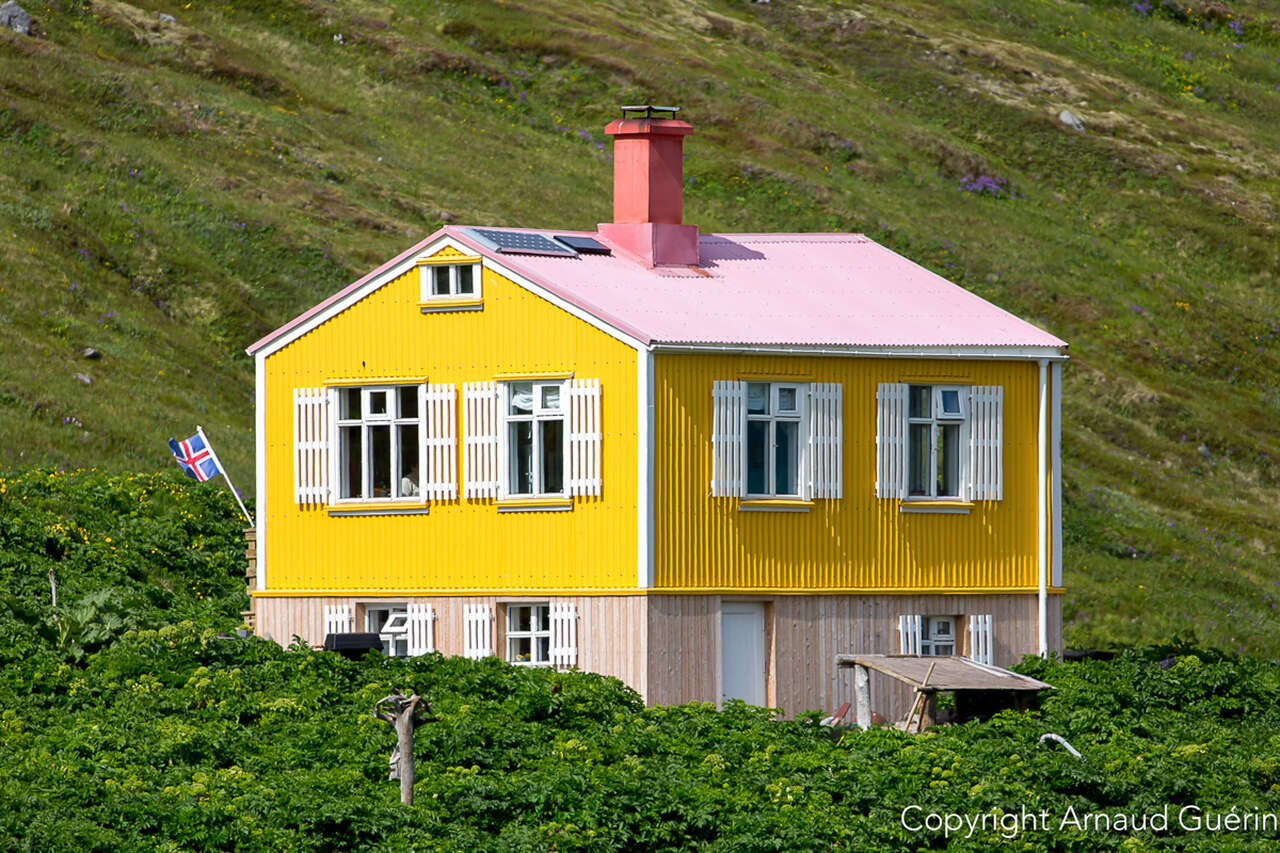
{"points": [[171, 190]]}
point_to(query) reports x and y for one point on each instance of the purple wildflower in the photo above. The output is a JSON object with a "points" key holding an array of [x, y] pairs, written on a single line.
{"points": [[1236, 27], [1142, 7], [985, 185]]}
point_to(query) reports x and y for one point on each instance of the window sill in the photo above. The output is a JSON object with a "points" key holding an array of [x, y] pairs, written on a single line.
{"points": [[436, 306], [379, 509], [555, 504], [774, 505], [938, 507]]}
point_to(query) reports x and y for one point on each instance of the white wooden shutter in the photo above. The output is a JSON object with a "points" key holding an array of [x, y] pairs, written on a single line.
{"points": [[728, 434], [980, 638], [480, 440], [477, 631], [584, 437], [986, 456], [909, 634], [337, 619], [438, 472], [891, 440], [311, 445], [826, 432], [564, 635], [421, 625]]}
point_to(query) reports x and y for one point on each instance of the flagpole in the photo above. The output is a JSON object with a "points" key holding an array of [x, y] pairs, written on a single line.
{"points": [[222, 468]]}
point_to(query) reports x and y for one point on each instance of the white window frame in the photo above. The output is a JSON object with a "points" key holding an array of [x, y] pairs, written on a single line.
{"points": [[391, 633], [933, 641], [539, 414], [533, 635], [773, 416], [935, 420], [365, 423], [427, 281]]}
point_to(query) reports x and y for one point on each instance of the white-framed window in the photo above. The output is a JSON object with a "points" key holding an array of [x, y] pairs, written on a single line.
{"points": [[391, 624], [927, 635], [776, 439], [529, 634], [406, 630], [938, 635], [450, 281], [375, 443], [774, 449], [379, 442], [534, 429], [532, 438], [936, 440], [939, 442]]}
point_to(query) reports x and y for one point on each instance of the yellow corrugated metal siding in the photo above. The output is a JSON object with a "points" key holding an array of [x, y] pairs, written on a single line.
{"points": [[858, 541], [462, 544]]}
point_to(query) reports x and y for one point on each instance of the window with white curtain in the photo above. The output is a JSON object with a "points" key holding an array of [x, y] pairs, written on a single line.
{"points": [[535, 438]]}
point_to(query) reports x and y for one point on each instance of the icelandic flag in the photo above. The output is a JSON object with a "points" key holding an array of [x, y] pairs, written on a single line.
{"points": [[195, 457]]}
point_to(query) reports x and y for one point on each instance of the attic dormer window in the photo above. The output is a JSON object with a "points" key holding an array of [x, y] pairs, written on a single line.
{"points": [[445, 285]]}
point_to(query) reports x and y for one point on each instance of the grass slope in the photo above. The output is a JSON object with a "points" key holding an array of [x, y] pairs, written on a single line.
{"points": [[170, 191]]}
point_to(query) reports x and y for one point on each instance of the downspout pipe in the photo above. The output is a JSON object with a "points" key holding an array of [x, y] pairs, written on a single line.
{"points": [[1042, 515]]}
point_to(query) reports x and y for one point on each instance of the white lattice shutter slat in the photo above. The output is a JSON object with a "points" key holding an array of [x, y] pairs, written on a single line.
{"points": [[584, 437], [310, 445], [421, 629], [440, 477], [564, 635], [337, 619], [891, 440], [980, 638], [729, 418], [909, 634], [825, 435], [477, 639], [986, 427], [480, 440]]}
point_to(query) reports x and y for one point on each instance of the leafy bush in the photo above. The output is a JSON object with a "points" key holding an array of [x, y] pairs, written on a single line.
{"points": [[155, 729]]}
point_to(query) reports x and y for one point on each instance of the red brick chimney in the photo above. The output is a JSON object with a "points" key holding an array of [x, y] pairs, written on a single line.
{"points": [[648, 188]]}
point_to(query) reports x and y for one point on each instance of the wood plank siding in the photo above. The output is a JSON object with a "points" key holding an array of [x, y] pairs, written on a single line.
{"points": [[803, 635], [612, 639], [668, 647]]}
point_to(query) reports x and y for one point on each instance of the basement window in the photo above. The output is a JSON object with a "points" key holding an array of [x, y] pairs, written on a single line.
{"points": [[391, 624], [529, 634], [938, 635]]}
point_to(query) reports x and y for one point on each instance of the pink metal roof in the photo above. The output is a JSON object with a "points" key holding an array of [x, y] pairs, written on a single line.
{"points": [[780, 289], [839, 290]]}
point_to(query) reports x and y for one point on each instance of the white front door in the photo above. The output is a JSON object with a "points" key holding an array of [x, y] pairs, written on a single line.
{"points": [[742, 658]]}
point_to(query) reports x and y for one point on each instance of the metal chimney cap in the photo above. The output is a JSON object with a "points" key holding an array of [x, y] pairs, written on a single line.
{"points": [[649, 111]]}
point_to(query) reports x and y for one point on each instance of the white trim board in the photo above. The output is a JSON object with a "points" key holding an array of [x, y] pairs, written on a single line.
{"points": [[644, 465], [260, 467]]}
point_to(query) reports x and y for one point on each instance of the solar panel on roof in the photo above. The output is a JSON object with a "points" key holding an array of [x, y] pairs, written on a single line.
{"points": [[522, 242], [584, 245]]}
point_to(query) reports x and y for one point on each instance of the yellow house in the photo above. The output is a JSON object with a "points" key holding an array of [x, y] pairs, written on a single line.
{"points": [[703, 463]]}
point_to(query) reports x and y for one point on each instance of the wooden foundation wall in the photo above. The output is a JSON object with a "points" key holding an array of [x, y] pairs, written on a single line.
{"points": [[668, 648], [611, 635]]}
